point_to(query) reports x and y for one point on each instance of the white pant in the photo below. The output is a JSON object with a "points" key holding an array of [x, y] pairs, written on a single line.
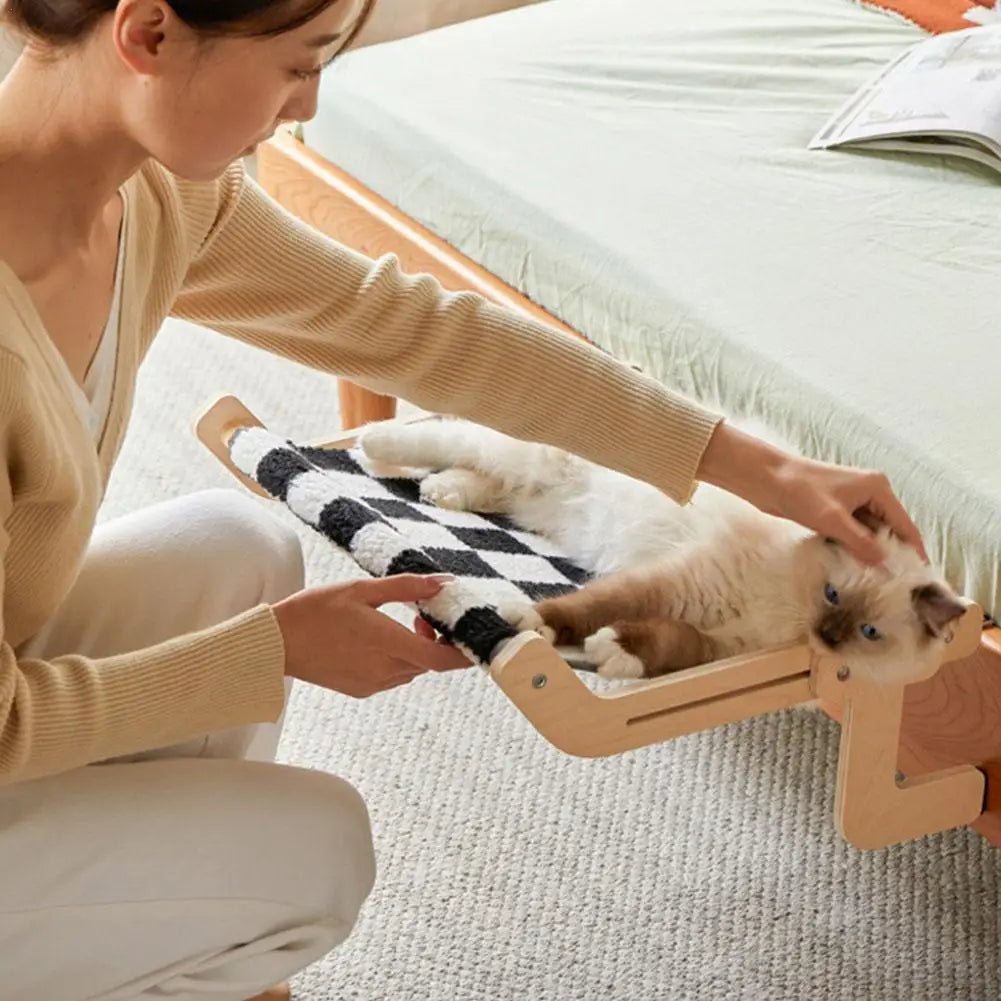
{"points": [[189, 872]]}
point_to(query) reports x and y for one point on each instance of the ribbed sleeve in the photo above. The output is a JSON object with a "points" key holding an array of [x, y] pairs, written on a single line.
{"points": [[71, 711], [265, 278]]}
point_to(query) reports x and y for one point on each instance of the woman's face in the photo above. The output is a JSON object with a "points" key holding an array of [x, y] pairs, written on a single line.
{"points": [[198, 104]]}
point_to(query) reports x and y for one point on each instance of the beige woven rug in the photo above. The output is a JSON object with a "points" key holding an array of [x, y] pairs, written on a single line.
{"points": [[705, 869]]}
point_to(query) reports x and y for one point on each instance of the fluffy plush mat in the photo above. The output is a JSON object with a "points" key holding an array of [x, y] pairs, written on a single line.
{"points": [[382, 523]]}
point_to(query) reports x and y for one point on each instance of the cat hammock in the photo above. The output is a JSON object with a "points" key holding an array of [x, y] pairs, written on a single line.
{"points": [[874, 806]]}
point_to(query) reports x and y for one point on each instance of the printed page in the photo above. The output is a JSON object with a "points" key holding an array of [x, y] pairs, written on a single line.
{"points": [[949, 83]]}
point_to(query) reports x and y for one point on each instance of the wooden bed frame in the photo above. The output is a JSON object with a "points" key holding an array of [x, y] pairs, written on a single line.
{"points": [[948, 721]]}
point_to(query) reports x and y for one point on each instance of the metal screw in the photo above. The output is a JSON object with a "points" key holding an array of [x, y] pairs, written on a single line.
{"points": [[844, 673], [900, 777], [539, 681]]}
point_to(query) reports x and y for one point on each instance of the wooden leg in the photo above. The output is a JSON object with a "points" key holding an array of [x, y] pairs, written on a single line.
{"points": [[954, 718], [360, 406], [873, 806], [988, 825], [280, 993]]}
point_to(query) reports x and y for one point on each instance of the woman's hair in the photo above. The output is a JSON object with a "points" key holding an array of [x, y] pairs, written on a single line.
{"points": [[63, 22]]}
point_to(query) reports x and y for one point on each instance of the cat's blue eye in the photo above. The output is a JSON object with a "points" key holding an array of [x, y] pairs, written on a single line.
{"points": [[831, 594], [871, 632]]}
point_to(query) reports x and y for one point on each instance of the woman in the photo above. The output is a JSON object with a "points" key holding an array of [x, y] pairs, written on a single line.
{"points": [[148, 847]]}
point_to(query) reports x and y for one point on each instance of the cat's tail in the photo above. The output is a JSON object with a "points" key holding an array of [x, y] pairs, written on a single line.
{"points": [[440, 444]]}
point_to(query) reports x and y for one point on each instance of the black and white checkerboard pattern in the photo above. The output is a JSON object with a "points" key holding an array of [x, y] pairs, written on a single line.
{"points": [[383, 524]]}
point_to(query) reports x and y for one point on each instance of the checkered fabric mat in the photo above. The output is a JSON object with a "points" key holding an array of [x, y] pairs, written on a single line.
{"points": [[383, 524]]}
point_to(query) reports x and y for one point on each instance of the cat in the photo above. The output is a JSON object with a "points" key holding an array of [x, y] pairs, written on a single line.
{"points": [[677, 586]]}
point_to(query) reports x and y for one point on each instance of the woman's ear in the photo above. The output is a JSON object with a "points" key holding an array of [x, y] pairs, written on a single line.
{"points": [[141, 30]]}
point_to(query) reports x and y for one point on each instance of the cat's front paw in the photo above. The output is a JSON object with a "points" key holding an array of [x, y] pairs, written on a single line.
{"points": [[523, 616], [611, 661], [383, 442]]}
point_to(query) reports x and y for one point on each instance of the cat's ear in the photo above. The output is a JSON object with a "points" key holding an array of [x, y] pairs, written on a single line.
{"points": [[936, 607]]}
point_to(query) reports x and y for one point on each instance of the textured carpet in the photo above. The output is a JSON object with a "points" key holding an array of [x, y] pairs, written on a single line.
{"points": [[705, 869]]}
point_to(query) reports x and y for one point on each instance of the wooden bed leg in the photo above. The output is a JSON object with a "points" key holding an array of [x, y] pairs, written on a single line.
{"points": [[361, 406], [280, 993], [988, 825]]}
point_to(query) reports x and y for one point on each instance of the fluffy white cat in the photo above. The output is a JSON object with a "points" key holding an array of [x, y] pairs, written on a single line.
{"points": [[678, 586]]}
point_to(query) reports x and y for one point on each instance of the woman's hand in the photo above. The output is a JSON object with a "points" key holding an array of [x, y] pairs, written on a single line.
{"points": [[822, 497], [337, 638]]}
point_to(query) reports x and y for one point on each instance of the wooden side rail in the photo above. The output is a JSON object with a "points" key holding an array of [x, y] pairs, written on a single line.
{"points": [[587, 724]]}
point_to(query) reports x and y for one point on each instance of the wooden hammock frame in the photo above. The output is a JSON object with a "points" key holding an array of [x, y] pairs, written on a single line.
{"points": [[875, 805]]}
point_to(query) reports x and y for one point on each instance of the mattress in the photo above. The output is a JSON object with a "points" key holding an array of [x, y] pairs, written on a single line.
{"points": [[640, 170]]}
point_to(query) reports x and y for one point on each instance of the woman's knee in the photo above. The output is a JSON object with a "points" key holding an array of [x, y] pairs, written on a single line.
{"points": [[252, 871], [330, 837], [253, 536], [297, 836]]}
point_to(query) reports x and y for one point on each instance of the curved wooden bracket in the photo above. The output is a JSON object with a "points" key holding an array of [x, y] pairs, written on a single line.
{"points": [[875, 807], [588, 724], [217, 425]]}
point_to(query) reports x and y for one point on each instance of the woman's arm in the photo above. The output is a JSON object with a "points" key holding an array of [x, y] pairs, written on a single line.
{"points": [[268, 279], [70, 711], [821, 496]]}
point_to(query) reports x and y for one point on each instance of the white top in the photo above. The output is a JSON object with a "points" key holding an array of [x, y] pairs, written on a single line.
{"points": [[95, 396]]}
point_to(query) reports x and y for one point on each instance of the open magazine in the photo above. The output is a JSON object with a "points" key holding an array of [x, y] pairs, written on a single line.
{"points": [[943, 95]]}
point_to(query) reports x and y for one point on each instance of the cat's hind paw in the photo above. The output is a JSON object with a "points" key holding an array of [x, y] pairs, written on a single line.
{"points": [[459, 489], [604, 651], [448, 489], [523, 616]]}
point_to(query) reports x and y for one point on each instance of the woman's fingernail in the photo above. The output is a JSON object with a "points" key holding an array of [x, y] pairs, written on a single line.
{"points": [[442, 578]]}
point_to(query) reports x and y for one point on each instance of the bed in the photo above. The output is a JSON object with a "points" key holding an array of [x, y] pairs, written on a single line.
{"points": [[638, 173]]}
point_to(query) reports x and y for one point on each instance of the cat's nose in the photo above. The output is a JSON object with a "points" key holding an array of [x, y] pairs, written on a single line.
{"points": [[831, 636], [834, 627]]}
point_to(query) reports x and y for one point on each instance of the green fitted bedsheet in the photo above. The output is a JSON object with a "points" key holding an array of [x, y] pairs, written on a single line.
{"points": [[640, 169]]}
